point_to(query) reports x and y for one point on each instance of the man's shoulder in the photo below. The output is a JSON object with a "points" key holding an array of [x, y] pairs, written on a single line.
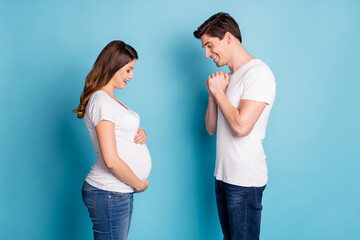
{"points": [[258, 70], [259, 66]]}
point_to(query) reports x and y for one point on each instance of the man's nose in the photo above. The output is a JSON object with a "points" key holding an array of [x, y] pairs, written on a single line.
{"points": [[207, 52]]}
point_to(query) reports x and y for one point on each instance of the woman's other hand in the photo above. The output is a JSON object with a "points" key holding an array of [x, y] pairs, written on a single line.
{"points": [[140, 137]]}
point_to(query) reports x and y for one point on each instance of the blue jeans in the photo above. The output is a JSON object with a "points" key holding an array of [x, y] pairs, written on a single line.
{"points": [[110, 212], [239, 210]]}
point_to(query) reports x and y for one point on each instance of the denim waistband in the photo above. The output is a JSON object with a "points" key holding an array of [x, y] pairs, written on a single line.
{"points": [[87, 187]]}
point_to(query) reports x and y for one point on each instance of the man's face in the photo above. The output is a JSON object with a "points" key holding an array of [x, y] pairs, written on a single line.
{"points": [[216, 49]]}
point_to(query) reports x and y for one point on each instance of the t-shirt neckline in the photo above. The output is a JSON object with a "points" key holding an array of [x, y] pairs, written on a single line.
{"points": [[245, 66], [117, 101]]}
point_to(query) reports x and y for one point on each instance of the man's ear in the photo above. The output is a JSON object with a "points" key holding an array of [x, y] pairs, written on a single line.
{"points": [[228, 37]]}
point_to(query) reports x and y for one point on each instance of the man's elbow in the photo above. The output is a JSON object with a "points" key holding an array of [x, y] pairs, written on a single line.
{"points": [[211, 133], [242, 131]]}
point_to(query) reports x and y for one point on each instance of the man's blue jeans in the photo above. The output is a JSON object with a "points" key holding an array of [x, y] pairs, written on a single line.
{"points": [[110, 212], [239, 210]]}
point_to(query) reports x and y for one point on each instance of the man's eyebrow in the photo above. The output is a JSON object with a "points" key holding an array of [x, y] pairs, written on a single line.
{"points": [[131, 67], [205, 44]]}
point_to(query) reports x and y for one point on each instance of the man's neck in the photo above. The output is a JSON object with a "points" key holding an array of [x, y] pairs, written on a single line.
{"points": [[239, 58]]}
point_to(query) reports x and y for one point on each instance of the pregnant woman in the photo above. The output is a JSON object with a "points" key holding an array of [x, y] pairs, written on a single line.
{"points": [[123, 160]]}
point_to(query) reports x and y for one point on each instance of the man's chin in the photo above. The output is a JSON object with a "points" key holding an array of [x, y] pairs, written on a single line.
{"points": [[219, 64]]}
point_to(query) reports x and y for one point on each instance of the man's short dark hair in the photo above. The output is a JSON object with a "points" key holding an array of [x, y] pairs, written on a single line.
{"points": [[217, 25]]}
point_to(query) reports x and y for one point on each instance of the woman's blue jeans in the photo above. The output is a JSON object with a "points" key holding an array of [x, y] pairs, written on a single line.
{"points": [[110, 212], [239, 210]]}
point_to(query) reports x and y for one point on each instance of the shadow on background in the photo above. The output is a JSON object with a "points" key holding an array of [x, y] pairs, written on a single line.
{"points": [[73, 146], [192, 66]]}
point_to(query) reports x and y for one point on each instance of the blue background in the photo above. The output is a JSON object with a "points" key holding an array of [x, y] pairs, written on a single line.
{"points": [[48, 47]]}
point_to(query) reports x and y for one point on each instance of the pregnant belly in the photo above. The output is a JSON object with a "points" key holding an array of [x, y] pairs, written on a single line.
{"points": [[137, 157]]}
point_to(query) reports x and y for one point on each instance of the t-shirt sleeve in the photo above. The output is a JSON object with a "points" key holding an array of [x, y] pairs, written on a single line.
{"points": [[260, 87], [101, 109]]}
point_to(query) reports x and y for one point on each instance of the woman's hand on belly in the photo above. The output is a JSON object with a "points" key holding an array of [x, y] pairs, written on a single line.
{"points": [[140, 137]]}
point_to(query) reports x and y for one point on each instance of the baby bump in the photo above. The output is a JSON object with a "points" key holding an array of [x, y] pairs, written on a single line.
{"points": [[137, 157]]}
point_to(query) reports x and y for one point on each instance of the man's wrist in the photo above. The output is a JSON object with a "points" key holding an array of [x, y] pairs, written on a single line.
{"points": [[217, 94]]}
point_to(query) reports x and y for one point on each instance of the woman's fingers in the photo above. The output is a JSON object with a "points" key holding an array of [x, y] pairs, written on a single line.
{"points": [[140, 137]]}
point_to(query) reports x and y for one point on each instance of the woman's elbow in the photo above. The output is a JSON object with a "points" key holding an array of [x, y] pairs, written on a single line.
{"points": [[109, 163]]}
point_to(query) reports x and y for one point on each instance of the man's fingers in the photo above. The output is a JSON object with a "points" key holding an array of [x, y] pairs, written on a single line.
{"points": [[226, 75]]}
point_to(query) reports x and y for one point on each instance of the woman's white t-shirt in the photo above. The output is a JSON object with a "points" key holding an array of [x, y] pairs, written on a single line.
{"points": [[102, 107]]}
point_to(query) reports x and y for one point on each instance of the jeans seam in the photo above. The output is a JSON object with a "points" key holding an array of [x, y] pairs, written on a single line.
{"points": [[256, 196], [246, 215], [95, 204], [110, 223]]}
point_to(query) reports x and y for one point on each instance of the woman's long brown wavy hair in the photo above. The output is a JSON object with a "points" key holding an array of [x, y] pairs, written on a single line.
{"points": [[113, 57]]}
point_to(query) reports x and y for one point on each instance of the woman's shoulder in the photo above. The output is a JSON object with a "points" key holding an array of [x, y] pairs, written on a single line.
{"points": [[99, 104], [99, 100], [99, 96]]}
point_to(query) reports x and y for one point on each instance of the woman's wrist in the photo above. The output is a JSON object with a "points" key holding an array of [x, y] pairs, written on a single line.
{"points": [[139, 186]]}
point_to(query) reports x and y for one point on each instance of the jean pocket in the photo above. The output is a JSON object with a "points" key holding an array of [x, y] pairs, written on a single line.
{"points": [[89, 199], [258, 192], [118, 195]]}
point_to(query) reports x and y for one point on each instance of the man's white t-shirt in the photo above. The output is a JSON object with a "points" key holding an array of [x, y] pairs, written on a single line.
{"points": [[241, 160], [102, 107]]}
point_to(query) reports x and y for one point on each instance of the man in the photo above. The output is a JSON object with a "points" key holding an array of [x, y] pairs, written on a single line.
{"points": [[238, 110]]}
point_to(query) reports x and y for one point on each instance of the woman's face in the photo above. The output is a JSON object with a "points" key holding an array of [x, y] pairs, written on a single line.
{"points": [[123, 75]]}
